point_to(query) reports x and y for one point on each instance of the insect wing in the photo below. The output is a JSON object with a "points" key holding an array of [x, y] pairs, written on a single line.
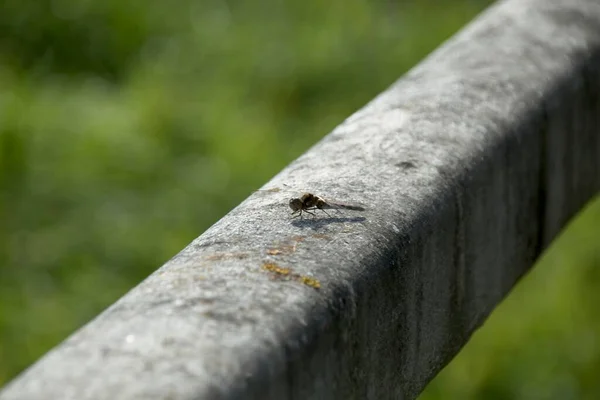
{"points": [[336, 205]]}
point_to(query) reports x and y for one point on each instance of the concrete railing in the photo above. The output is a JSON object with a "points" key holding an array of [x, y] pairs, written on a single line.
{"points": [[467, 167]]}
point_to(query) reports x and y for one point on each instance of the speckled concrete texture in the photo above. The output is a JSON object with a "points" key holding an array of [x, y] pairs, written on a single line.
{"points": [[467, 167]]}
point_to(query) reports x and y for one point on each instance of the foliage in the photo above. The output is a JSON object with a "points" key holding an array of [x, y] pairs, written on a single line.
{"points": [[129, 127]]}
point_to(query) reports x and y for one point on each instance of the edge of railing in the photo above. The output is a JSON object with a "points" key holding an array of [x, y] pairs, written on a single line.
{"points": [[467, 167]]}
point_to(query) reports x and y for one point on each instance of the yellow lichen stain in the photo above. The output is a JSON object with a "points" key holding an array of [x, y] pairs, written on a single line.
{"points": [[287, 274], [312, 282], [224, 256], [298, 238], [272, 267], [272, 190], [321, 236], [286, 247]]}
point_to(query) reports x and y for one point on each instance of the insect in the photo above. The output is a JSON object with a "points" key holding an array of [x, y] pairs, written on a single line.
{"points": [[309, 202]]}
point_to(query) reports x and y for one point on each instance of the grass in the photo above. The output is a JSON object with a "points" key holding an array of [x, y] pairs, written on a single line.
{"points": [[129, 127]]}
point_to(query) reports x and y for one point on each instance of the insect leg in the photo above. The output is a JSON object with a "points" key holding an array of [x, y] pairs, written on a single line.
{"points": [[322, 208], [329, 215], [311, 213]]}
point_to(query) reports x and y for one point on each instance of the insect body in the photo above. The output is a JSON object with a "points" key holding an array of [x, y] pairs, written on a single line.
{"points": [[309, 202]]}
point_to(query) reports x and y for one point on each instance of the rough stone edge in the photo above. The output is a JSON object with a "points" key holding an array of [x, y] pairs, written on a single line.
{"points": [[536, 167]]}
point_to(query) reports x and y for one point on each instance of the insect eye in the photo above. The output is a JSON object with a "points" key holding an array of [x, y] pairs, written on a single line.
{"points": [[295, 204]]}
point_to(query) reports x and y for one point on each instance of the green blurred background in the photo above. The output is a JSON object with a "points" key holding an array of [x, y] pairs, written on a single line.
{"points": [[128, 127]]}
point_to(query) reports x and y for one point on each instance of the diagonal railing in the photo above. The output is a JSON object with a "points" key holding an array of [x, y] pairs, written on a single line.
{"points": [[466, 168]]}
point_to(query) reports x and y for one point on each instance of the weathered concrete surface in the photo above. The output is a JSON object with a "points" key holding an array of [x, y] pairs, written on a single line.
{"points": [[468, 166]]}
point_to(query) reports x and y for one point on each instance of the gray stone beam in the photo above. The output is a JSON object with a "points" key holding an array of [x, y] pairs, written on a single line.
{"points": [[467, 167]]}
